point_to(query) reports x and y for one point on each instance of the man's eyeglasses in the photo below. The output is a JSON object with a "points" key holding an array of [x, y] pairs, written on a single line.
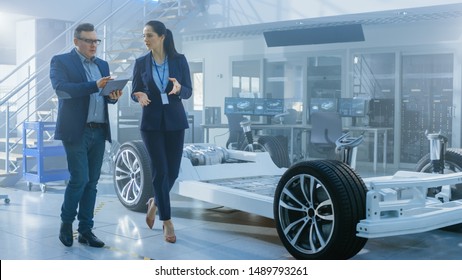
{"points": [[90, 41]]}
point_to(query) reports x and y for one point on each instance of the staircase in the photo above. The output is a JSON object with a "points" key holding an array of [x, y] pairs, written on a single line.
{"points": [[32, 97], [365, 83]]}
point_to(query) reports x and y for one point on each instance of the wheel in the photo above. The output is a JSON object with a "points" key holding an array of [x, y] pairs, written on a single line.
{"points": [[273, 146], [452, 163], [132, 176], [110, 153], [7, 201], [254, 147], [317, 206], [277, 150]]}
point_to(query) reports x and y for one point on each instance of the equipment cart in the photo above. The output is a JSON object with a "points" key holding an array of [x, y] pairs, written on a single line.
{"points": [[5, 198], [44, 160], [322, 208]]}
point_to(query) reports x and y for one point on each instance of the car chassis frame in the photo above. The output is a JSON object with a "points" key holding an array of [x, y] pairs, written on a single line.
{"points": [[251, 182]]}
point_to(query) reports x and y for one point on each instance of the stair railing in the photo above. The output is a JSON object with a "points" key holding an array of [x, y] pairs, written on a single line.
{"points": [[40, 76], [24, 87], [367, 81]]}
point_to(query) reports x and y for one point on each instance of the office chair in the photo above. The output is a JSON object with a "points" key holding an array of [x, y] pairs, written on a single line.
{"points": [[236, 134], [288, 117], [283, 135], [326, 128]]}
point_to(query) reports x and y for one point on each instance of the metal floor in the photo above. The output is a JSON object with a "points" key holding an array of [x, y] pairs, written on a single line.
{"points": [[30, 224]]}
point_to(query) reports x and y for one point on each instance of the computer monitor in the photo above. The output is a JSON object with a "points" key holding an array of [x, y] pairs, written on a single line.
{"points": [[273, 106], [238, 105], [269, 106], [323, 105], [352, 107]]}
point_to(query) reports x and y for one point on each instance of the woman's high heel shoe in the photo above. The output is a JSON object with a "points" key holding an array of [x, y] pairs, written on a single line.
{"points": [[169, 238], [151, 214]]}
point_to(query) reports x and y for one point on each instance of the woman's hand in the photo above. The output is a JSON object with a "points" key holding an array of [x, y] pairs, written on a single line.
{"points": [[142, 98], [176, 87]]}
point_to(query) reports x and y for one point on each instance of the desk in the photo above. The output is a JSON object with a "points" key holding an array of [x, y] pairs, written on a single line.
{"points": [[207, 127], [371, 130], [256, 127], [191, 126], [292, 128], [375, 131]]}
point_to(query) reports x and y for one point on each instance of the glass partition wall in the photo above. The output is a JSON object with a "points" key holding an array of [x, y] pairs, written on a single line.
{"points": [[405, 93], [324, 83], [246, 78], [374, 79], [426, 102], [284, 79]]}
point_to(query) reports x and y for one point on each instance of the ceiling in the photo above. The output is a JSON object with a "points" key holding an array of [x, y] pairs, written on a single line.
{"points": [[414, 15]]}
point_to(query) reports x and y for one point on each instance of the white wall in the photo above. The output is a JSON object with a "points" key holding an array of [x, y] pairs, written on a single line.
{"points": [[218, 54], [217, 57], [427, 36]]}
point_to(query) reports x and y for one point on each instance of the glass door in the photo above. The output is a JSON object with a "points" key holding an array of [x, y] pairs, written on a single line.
{"points": [[324, 83]]}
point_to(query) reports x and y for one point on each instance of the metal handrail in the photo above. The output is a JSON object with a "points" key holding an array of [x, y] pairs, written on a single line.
{"points": [[41, 68], [33, 77], [70, 28], [23, 110], [367, 76]]}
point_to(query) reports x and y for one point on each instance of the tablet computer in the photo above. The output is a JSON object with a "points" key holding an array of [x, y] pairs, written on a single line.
{"points": [[112, 85]]}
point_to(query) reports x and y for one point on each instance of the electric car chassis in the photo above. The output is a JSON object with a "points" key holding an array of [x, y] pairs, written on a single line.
{"points": [[322, 208]]}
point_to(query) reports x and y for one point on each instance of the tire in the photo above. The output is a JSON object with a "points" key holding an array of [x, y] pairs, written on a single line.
{"points": [[278, 153], [320, 226], [452, 163], [110, 153], [276, 149], [132, 176]]}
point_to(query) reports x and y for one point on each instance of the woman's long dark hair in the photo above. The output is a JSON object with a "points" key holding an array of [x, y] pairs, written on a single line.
{"points": [[159, 28]]}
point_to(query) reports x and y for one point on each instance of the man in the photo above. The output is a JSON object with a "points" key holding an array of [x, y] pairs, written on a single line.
{"points": [[83, 126]]}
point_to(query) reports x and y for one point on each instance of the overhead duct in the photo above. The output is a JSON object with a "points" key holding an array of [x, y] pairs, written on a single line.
{"points": [[313, 36]]}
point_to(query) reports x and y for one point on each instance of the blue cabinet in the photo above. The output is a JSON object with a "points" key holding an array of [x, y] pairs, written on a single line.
{"points": [[44, 158]]}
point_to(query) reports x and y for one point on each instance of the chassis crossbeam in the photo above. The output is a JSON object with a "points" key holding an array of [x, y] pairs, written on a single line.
{"points": [[399, 204]]}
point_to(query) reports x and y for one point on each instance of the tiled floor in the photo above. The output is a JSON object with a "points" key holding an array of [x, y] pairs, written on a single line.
{"points": [[30, 224]]}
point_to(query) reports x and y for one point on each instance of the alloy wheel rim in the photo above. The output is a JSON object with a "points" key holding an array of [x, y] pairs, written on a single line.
{"points": [[306, 214], [128, 176]]}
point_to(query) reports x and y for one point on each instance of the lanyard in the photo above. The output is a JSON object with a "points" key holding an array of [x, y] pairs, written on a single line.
{"points": [[163, 74]]}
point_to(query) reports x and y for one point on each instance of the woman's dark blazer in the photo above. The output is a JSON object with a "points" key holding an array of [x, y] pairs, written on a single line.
{"points": [[157, 116]]}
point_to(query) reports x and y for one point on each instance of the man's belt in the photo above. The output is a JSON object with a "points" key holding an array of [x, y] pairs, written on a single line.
{"points": [[96, 125]]}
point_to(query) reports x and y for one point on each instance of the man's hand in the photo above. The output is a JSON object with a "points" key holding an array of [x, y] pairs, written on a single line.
{"points": [[103, 81], [114, 95]]}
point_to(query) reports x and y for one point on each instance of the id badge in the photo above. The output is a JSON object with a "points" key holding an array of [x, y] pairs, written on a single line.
{"points": [[164, 98]]}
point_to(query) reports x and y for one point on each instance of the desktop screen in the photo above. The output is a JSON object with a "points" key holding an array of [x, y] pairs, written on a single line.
{"points": [[352, 107], [254, 106], [238, 105], [323, 105], [269, 106]]}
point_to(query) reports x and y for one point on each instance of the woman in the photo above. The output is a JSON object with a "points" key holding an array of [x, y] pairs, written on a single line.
{"points": [[161, 79]]}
